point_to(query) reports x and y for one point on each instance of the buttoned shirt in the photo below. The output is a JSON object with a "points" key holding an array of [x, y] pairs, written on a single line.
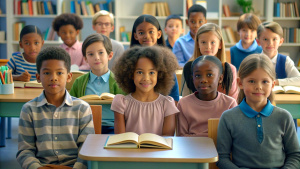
{"points": [[97, 84]]}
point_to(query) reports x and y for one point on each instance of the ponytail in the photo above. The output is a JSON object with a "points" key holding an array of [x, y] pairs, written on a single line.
{"points": [[227, 77]]}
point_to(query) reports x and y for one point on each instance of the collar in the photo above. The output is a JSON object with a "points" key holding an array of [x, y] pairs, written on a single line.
{"points": [[41, 100], [188, 37], [249, 112], [251, 48], [104, 77], [75, 45], [274, 59]]}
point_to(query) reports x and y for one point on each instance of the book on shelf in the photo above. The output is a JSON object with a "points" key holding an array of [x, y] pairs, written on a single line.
{"points": [[226, 10], [2, 36], [156, 8], [18, 26], [231, 35], [30, 84], [103, 96], [83, 8], [133, 140], [286, 9], [33, 7], [25, 7], [287, 89]]}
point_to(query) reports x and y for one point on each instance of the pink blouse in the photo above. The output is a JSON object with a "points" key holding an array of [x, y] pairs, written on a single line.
{"points": [[144, 117]]}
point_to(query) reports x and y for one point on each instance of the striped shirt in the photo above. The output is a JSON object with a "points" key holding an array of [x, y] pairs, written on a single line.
{"points": [[53, 135], [18, 64]]}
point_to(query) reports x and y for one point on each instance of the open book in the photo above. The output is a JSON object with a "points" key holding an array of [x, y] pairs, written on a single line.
{"points": [[133, 140], [30, 84], [286, 89], [103, 96]]}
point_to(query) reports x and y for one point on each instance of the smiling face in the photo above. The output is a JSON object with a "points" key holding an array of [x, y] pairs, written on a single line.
{"points": [[68, 34], [270, 42], [103, 25], [247, 35], [147, 34], [206, 78], [54, 76], [209, 43], [32, 44], [195, 21], [257, 87], [97, 57], [145, 76]]}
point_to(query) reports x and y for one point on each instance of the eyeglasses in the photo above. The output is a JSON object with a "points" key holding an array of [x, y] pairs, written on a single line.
{"points": [[106, 24]]}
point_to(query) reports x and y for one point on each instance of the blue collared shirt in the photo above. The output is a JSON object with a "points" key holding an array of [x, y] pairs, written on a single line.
{"points": [[249, 112], [184, 48], [97, 84]]}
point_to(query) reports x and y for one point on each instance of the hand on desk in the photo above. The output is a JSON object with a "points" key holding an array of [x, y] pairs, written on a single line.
{"points": [[51, 166], [25, 77]]}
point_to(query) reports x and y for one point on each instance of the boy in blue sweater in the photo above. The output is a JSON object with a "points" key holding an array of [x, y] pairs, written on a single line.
{"points": [[247, 29]]}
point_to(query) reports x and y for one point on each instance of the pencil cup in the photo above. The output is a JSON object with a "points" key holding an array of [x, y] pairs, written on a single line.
{"points": [[7, 89]]}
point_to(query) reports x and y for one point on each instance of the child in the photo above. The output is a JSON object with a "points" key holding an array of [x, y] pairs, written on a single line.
{"points": [[261, 135], [146, 31], [246, 27], [209, 41], [23, 64], [173, 28], [147, 74], [53, 126], [270, 37], [97, 52], [103, 23], [195, 109], [184, 46], [68, 26]]}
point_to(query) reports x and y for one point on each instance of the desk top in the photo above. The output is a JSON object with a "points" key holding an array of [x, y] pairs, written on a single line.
{"points": [[27, 94], [287, 98], [185, 149]]}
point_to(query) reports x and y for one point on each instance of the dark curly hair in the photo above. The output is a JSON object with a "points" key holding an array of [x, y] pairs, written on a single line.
{"points": [[53, 53], [163, 59], [67, 19]]}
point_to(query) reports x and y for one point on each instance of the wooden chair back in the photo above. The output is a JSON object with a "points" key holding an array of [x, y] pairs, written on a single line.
{"points": [[75, 75], [97, 117], [228, 57], [3, 62], [213, 124]]}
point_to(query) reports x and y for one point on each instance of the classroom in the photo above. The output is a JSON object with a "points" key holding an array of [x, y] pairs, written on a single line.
{"points": [[183, 61]]}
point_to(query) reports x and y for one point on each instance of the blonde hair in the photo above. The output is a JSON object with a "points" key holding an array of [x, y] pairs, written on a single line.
{"points": [[103, 13], [250, 64], [209, 27], [273, 26]]}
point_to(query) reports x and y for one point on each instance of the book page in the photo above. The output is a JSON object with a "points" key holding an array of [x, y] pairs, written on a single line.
{"points": [[278, 89], [128, 137], [107, 96], [90, 97], [153, 140], [33, 84], [292, 89], [19, 84]]}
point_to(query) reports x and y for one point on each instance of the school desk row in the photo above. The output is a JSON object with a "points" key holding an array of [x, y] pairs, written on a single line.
{"points": [[10, 106]]}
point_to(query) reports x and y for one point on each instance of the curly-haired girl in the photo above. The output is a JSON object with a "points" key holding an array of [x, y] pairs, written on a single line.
{"points": [[67, 26], [147, 74]]}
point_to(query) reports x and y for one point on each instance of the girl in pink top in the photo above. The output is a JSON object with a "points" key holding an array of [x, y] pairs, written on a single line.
{"points": [[147, 75], [206, 102]]}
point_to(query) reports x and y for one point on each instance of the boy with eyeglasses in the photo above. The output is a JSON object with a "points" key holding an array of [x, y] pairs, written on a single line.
{"points": [[103, 22]]}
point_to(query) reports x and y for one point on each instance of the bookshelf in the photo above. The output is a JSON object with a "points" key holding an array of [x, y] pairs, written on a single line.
{"points": [[125, 14]]}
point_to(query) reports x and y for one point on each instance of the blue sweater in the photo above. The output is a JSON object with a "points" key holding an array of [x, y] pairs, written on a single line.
{"points": [[238, 53]]}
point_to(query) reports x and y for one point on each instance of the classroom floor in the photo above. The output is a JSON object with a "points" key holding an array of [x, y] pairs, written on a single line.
{"points": [[8, 153]]}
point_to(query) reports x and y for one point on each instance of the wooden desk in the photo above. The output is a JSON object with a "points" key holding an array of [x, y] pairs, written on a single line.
{"points": [[290, 102], [11, 105], [188, 152]]}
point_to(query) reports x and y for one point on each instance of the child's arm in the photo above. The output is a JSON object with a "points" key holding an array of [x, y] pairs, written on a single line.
{"points": [[27, 147], [86, 127], [119, 123], [25, 77], [293, 75], [234, 91], [291, 145], [182, 123], [224, 145], [169, 125]]}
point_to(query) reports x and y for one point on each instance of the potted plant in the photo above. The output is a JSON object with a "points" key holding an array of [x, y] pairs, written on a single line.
{"points": [[246, 5]]}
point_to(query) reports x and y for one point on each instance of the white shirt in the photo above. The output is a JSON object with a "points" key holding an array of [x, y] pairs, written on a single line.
{"points": [[293, 75]]}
